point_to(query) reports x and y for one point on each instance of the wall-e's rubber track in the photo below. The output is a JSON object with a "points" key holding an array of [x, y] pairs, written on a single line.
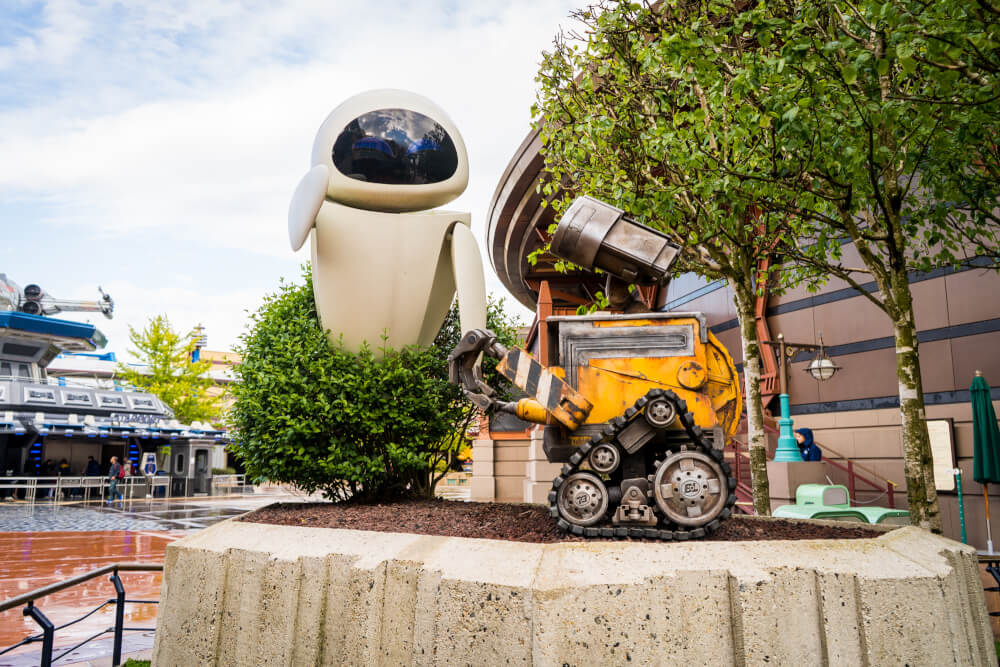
{"points": [[664, 483]]}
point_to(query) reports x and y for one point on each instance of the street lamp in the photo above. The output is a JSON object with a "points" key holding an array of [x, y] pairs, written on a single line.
{"points": [[821, 368]]}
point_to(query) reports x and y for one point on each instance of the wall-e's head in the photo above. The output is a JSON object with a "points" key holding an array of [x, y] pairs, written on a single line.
{"points": [[382, 150]]}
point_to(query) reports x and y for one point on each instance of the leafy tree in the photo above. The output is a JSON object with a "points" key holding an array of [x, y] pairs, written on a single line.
{"points": [[351, 424], [870, 135], [620, 111], [874, 122], [169, 373]]}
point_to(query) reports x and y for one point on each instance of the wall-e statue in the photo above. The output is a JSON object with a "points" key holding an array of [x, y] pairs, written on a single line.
{"points": [[381, 261]]}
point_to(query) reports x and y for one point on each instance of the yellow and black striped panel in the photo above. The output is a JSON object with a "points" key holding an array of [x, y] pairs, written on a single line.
{"points": [[564, 403]]}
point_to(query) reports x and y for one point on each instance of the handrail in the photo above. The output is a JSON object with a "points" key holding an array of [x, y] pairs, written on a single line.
{"points": [[48, 628], [852, 475], [54, 381], [826, 448], [31, 596], [868, 470]]}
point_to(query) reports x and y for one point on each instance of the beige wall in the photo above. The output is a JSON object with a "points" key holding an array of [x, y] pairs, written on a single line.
{"points": [[873, 438], [510, 460]]}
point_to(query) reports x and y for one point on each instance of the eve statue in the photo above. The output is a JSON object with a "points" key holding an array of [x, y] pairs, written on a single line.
{"points": [[382, 262]]}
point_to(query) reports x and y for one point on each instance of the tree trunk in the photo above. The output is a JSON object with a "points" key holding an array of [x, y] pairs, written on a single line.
{"points": [[918, 463], [756, 437]]}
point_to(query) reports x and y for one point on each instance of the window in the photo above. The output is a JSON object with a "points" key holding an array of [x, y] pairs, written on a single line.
{"points": [[180, 464], [23, 371], [5, 369], [19, 350]]}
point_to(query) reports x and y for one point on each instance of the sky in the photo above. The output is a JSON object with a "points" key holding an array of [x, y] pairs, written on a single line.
{"points": [[152, 148]]}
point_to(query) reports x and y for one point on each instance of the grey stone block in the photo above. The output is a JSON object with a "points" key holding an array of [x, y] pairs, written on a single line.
{"points": [[253, 594]]}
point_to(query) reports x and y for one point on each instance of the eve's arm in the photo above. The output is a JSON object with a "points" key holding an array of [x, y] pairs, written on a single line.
{"points": [[470, 284], [306, 202]]}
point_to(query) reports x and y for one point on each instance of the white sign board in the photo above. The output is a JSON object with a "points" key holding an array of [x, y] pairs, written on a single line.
{"points": [[943, 451], [148, 464]]}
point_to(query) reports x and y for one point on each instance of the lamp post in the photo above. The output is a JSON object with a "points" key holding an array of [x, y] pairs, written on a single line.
{"points": [[821, 368]]}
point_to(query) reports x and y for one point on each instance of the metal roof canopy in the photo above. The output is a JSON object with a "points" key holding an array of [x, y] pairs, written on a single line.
{"points": [[66, 335]]}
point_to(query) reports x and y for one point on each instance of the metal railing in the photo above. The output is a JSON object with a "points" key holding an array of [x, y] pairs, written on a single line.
{"points": [[744, 491], [49, 629], [741, 471], [65, 381], [130, 487], [853, 477], [229, 484]]}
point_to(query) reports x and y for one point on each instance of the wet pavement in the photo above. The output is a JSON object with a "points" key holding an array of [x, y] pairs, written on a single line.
{"points": [[143, 514], [32, 560], [43, 543]]}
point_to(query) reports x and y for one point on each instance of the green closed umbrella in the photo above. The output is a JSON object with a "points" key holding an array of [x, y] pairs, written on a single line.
{"points": [[986, 444]]}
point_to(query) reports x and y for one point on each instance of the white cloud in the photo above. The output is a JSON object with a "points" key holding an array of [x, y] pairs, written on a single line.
{"points": [[200, 118]]}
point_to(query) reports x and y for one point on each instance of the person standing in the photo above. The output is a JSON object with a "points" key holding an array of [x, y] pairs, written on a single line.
{"points": [[49, 469], [807, 446], [93, 467], [64, 471], [114, 474]]}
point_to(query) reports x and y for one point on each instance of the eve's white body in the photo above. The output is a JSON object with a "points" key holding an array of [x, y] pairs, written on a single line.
{"points": [[380, 273]]}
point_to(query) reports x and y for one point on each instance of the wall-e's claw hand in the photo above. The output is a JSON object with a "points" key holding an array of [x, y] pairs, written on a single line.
{"points": [[464, 369], [550, 398]]}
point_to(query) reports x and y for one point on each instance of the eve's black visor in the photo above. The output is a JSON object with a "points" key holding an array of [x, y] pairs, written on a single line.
{"points": [[395, 147]]}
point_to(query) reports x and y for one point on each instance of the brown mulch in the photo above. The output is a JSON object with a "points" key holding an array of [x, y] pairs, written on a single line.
{"points": [[507, 521]]}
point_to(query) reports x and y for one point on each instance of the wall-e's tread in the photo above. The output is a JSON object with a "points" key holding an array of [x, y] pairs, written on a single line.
{"points": [[608, 434]]}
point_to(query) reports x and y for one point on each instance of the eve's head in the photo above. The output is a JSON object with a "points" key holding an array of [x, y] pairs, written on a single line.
{"points": [[391, 150]]}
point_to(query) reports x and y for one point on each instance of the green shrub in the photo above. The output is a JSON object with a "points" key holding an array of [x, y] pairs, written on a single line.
{"points": [[348, 424]]}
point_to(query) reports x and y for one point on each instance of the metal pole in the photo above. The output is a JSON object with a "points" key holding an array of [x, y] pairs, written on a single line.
{"points": [[116, 656], [989, 531], [782, 369], [48, 632], [788, 448], [961, 503], [850, 482]]}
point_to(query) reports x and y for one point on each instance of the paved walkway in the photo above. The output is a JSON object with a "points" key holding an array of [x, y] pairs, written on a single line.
{"points": [[32, 560], [43, 542], [141, 514]]}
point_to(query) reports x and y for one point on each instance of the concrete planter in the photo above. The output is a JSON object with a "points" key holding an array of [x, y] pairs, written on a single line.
{"points": [[253, 594]]}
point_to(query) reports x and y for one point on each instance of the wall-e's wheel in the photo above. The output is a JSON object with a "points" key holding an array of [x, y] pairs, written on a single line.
{"points": [[690, 488], [604, 458], [660, 413], [583, 499]]}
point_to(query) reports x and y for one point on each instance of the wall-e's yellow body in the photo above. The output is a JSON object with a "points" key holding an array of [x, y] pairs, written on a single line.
{"points": [[639, 353]]}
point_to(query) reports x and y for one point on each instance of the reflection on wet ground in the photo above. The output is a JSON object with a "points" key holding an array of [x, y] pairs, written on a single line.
{"points": [[44, 543], [144, 514], [33, 560]]}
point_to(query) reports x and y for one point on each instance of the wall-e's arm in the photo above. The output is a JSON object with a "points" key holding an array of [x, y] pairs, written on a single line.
{"points": [[551, 398]]}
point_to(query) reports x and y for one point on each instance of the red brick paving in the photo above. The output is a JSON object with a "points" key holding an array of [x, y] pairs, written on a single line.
{"points": [[32, 560]]}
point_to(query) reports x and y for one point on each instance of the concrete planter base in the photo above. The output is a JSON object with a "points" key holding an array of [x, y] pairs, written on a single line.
{"points": [[253, 594]]}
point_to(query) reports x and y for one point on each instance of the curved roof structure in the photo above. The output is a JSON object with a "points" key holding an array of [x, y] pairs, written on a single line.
{"points": [[517, 223]]}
